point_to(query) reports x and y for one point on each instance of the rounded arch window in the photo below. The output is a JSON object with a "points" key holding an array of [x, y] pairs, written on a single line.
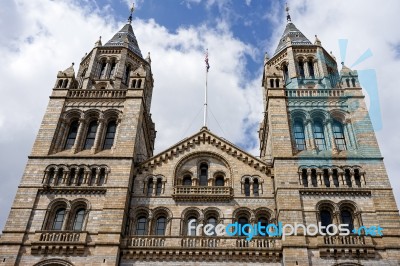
{"points": [[141, 225], [91, 135], [192, 220], [203, 176], [58, 219], [110, 135], [212, 221], [161, 225], [319, 135], [256, 187], [187, 180], [299, 135], [347, 218], [78, 220], [219, 181], [73, 130], [242, 220], [326, 219], [338, 134], [247, 187]]}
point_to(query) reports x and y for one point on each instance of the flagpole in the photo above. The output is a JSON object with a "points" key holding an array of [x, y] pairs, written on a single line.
{"points": [[205, 92]]}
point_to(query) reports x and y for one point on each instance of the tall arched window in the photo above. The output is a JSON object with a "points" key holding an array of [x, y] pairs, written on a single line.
{"points": [[59, 84], [338, 133], [150, 187], [102, 177], [242, 221], [335, 177], [58, 219], [319, 135], [310, 65], [247, 187], [256, 187], [110, 135], [314, 177], [347, 177], [326, 178], [141, 226], [193, 222], [299, 135], [286, 73], [160, 226], [159, 187], [357, 177], [348, 82], [353, 82], [80, 177], [71, 177], [112, 71], [50, 176], [187, 180], [139, 83], [59, 178], [91, 135], [271, 83], [263, 221], [212, 221], [347, 218], [73, 130], [301, 69], [277, 83], [133, 83], [103, 65], [203, 174], [127, 73], [219, 181], [92, 177], [78, 220], [304, 178], [326, 219], [65, 83]]}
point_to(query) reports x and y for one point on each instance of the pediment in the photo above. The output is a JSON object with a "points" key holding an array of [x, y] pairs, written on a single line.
{"points": [[205, 138]]}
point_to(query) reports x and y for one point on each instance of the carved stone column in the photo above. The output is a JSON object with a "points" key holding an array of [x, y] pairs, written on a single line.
{"points": [[330, 174], [95, 148], [78, 136], [352, 178], [319, 178], [331, 136], [310, 134], [341, 178], [350, 133], [362, 179], [309, 180]]}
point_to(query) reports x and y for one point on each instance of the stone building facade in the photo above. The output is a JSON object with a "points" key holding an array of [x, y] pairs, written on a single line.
{"points": [[93, 193]]}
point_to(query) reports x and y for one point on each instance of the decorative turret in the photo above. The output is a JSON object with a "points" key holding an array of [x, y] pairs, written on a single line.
{"points": [[66, 78]]}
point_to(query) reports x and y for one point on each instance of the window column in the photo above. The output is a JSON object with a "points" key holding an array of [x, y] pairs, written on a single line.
{"points": [[331, 136], [319, 177], [330, 174], [349, 129], [66, 219], [352, 178], [251, 187], [309, 178], [310, 134], [342, 181], [95, 147], [78, 135]]}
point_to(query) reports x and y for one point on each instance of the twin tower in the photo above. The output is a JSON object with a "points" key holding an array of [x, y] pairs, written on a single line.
{"points": [[93, 192]]}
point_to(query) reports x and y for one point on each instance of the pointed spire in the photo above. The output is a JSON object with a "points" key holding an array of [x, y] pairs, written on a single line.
{"points": [[130, 16], [288, 18], [266, 57]]}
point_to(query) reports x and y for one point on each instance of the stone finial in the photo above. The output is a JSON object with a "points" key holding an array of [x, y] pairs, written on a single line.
{"points": [[317, 41], [148, 59], [266, 57], [98, 43]]}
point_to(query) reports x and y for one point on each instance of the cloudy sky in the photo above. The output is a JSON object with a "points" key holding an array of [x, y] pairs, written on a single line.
{"points": [[39, 38]]}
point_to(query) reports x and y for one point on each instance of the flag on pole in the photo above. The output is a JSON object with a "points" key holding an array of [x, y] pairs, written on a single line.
{"points": [[206, 60]]}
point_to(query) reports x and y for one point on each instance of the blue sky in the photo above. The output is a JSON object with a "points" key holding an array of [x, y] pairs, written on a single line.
{"points": [[39, 38]]}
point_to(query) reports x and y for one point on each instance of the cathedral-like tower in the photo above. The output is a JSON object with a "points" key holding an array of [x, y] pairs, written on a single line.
{"points": [[93, 193], [73, 197], [326, 162]]}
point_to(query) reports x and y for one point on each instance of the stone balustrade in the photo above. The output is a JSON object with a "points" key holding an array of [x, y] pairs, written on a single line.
{"points": [[59, 242], [83, 94], [202, 242], [202, 193], [315, 93]]}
